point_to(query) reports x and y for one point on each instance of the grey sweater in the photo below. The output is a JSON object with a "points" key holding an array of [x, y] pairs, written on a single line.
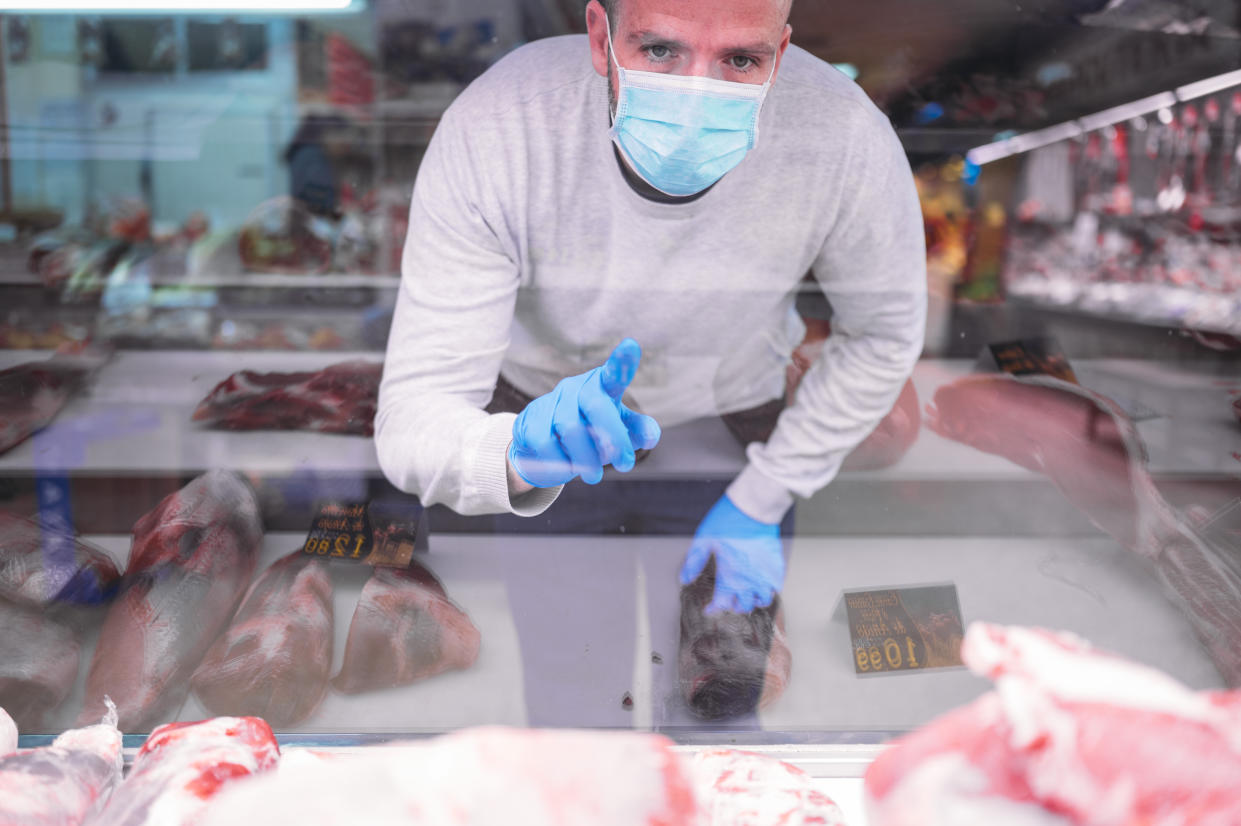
{"points": [[529, 254]]}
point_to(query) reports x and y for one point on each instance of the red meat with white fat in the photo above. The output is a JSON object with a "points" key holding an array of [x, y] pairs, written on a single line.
{"points": [[182, 766], [1070, 737], [341, 398], [64, 783]]}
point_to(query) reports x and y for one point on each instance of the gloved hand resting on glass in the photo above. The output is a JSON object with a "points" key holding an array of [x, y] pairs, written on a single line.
{"points": [[581, 426], [749, 563]]}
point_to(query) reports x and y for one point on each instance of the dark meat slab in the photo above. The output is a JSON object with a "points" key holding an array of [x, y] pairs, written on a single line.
{"points": [[1090, 450], [38, 663], [43, 569], [64, 783], [32, 394], [275, 659], [730, 664], [183, 766], [192, 558], [338, 399], [404, 629]]}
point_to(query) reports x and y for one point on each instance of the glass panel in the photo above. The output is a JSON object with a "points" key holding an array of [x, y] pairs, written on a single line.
{"points": [[209, 261]]}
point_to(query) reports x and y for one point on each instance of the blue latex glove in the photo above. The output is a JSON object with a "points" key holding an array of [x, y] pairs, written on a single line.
{"points": [[749, 563], [581, 426]]}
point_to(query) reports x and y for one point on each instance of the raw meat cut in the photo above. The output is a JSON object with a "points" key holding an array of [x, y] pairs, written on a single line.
{"points": [[32, 394], [892, 438], [404, 629], [730, 664], [8, 734], [183, 766], [479, 777], [1093, 454], [275, 659], [64, 783], [737, 788], [41, 568], [191, 560], [1070, 737], [338, 399], [38, 663]]}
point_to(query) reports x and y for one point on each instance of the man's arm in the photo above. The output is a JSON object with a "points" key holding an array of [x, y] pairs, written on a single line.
{"points": [[459, 282], [872, 268]]}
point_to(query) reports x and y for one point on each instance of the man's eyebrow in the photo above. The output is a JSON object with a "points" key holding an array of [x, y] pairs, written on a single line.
{"points": [[649, 38], [757, 47]]}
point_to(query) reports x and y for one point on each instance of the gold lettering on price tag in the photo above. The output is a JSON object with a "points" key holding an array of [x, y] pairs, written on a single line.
{"points": [[904, 629]]}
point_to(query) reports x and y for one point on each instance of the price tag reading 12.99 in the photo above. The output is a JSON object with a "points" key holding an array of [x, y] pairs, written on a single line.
{"points": [[904, 629], [340, 530]]}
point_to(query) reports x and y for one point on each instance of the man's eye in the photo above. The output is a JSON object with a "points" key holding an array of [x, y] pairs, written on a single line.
{"points": [[657, 52], [742, 62]]}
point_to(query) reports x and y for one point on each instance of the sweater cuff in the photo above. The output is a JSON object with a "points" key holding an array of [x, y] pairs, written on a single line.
{"points": [[491, 473], [759, 496]]}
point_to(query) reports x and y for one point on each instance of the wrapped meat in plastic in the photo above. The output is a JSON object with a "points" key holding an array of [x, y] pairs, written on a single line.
{"points": [[404, 629], [39, 658], [738, 788], [1069, 737], [275, 659], [338, 399], [42, 569], [1086, 446], [8, 734], [730, 664], [64, 783], [32, 394], [182, 766], [479, 777], [192, 558]]}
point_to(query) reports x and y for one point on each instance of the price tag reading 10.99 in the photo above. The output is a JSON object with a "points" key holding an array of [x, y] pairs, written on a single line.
{"points": [[904, 629]]}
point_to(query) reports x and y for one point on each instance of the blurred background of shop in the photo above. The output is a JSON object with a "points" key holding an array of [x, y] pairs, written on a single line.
{"points": [[182, 179]]}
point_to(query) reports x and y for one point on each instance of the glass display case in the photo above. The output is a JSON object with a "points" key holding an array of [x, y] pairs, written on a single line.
{"points": [[203, 220]]}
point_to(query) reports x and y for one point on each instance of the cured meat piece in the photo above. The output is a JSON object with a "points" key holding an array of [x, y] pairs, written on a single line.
{"points": [[479, 777], [404, 629], [730, 664], [41, 568], [1069, 736], [32, 394], [38, 663], [8, 734], [893, 437], [183, 766], [64, 783], [192, 558], [275, 659], [738, 788], [338, 399], [1091, 451]]}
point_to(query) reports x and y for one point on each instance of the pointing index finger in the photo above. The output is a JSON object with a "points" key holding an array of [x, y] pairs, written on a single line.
{"points": [[618, 371]]}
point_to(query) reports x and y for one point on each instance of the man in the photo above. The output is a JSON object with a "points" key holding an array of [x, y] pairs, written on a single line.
{"points": [[667, 181]]}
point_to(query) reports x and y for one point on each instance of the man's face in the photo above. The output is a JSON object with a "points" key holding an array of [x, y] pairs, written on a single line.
{"points": [[735, 40]]}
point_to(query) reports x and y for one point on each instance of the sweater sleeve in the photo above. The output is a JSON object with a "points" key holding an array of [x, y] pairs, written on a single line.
{"points": [[450, 331], [872, 268]]}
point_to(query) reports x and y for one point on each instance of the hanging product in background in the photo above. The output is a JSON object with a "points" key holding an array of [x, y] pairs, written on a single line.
{"points": [[1155, 230]]}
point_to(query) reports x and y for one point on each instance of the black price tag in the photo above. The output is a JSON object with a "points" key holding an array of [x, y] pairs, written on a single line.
{"points": [[1033, 357], [372, 533], [905, 629]]}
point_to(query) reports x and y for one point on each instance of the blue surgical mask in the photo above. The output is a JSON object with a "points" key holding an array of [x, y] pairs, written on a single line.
{"points": [[682, 133]]}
